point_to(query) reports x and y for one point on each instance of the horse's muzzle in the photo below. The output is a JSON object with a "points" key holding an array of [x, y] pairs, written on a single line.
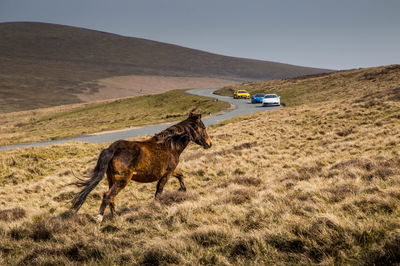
{"points": [[208, 144]]}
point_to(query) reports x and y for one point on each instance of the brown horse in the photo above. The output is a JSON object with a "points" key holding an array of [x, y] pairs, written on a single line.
{"points": [[151, 160]]}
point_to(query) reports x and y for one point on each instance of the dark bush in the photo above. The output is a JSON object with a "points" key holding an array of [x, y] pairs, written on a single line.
{"points": [[388, 254], [158, 255], [247, 181], [243, 246], [19, 233], [64, 196], [41, 231], [374, 206], [83, 252], [246, 145], [12, 214], [38, 254], [171, 197], [327, 239], [207, 237], [110, 228], [285, 244], [240, 196]]}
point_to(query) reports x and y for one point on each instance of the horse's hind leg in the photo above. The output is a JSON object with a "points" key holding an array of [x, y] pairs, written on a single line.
{"points": [[112, 207], [179, 176], [110, 184], [109, 197]]}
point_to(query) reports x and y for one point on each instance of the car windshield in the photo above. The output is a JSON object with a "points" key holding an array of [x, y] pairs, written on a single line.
{"points": [[242, 91], [259, 95], [270, 96]]}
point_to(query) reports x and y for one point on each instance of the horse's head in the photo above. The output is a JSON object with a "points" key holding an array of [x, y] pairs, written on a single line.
{"points": [[199, 133]]}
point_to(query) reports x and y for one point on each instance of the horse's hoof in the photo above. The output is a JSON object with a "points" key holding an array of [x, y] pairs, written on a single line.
{"points": [[182, 189], [99, 218]]}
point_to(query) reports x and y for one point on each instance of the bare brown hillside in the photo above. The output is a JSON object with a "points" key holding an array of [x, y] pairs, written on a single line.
{"points": [[46, 64], [135, 85]]}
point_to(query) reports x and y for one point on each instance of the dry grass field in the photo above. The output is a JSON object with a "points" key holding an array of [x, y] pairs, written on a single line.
{"points": [[315, 183]]}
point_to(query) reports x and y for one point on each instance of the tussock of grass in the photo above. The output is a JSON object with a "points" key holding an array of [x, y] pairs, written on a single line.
{"points": [[173, 197], [240, 196], [210, 236], [12, 214], [158, 254], [247, 181], [293, 192]]}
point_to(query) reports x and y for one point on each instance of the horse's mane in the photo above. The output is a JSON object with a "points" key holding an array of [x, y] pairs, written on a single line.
{"points": [[177, 135]]}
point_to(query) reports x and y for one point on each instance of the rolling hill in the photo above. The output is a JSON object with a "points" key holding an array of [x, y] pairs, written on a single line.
{"points": [[314, 183], [46, 64]]}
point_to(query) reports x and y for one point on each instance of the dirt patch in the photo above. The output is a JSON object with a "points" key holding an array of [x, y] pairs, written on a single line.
{"points": [[135, 85]]}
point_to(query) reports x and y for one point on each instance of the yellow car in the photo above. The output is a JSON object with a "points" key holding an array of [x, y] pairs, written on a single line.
{"points": [[241, 94]]}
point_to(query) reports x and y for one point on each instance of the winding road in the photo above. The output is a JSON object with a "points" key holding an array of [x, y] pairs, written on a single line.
{"points": [[240, 107]]}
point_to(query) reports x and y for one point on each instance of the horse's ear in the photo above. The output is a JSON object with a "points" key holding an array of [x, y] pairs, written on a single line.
{"points": [[194, 116], [191, 112]]}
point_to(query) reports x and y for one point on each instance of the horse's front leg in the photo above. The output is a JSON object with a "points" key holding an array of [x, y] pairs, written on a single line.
{"points": [[179, 176], [160, 185]]}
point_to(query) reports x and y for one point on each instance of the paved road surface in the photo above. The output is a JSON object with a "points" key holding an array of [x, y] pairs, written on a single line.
{"points": [[241, 107]]}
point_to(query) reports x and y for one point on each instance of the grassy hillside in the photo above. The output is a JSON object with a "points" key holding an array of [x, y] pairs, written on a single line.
{"points": [[308, 184], [326, 87], [47, 65], [76, 120]]}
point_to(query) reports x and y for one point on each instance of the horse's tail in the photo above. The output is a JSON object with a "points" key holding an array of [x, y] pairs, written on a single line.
{"points": [[97, 175]]}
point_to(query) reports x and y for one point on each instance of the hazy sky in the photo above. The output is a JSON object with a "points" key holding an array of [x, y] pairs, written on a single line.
{"points": [[337, 34]]}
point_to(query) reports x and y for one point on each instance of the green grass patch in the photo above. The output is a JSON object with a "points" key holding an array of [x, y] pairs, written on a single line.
{"points": [[131, 112]]}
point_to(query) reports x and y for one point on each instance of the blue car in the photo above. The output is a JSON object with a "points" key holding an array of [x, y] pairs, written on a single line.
{"points": [[257, 98]]}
